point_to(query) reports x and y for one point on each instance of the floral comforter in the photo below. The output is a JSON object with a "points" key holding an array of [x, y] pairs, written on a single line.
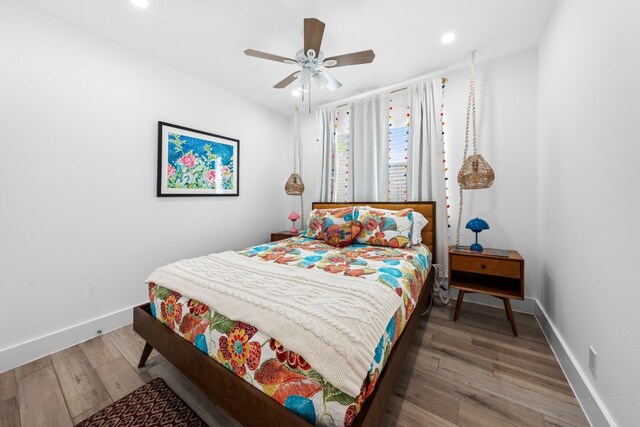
{"points": [[263, 361]]}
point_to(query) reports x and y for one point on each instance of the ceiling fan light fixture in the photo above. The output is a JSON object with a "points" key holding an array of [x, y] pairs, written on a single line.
{"points": [[295, 92], [305, 76], [312, 60], [326, 80], [333, 85], [321, 79]]}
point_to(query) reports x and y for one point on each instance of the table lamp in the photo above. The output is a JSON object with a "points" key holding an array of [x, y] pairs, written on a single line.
{"points": [[477, 225], [293, 217]]}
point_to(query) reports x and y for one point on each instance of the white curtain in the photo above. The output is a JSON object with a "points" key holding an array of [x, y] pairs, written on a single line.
{"points": [[369, 154], [425, 168], [326, 120]]}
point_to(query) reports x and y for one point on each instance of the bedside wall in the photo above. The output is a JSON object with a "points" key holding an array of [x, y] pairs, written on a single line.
{"points": [[506, 103], [589, 197], [80, 224]]}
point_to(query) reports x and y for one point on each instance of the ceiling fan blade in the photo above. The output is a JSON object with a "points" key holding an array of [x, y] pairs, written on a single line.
{"points": [[324, 79], [313, 32], [355, 58], [269, 56], [286, 81]]}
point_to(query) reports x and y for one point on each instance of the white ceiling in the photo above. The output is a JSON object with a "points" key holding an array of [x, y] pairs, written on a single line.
{"points": [[206, 38]]}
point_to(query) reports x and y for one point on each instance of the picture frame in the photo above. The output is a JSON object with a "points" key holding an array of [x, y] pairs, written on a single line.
{"points": [[194, 163]]}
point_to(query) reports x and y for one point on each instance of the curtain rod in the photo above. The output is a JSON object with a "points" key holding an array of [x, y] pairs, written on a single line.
{"points": [[400, 89], [393, 91], [390, 88]]}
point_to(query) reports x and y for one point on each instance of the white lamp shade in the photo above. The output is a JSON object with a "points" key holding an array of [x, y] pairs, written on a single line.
{"points": [[304, 76]]}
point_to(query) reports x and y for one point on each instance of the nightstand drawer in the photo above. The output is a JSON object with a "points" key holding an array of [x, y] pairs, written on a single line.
{"points": [[281, 235], [492, 267]]}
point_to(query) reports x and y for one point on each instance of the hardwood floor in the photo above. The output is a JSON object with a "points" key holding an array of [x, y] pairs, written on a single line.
{"points": [[473, 372]]}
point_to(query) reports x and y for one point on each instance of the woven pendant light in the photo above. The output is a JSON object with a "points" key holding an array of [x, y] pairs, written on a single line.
{"points": [[475, 173], [294, 185]]}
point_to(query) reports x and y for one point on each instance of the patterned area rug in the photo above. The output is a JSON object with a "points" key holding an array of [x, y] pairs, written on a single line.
{"points": [[153, 404]]}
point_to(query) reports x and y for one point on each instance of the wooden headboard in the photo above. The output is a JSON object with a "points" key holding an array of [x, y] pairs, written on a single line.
{"points": [[428, 209]]}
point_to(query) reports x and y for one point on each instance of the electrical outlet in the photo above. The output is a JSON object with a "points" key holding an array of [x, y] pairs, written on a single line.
{"points": [[593, 362]]}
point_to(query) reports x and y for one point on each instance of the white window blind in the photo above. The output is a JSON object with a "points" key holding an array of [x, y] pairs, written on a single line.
{"points": [[341, 160], [398, 145]]}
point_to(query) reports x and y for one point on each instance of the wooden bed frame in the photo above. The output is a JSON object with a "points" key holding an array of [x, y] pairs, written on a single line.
{"points": [[243, 401]]}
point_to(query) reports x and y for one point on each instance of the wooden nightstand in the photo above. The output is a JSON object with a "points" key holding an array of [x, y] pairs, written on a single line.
{"points": [[281, 235], [486, 273]]}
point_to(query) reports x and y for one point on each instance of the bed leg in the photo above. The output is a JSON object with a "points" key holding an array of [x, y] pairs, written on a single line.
{"points": [[145, 355]]}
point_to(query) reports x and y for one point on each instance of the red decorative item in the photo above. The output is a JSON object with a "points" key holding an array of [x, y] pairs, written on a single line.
{"points": [[293, 217]]}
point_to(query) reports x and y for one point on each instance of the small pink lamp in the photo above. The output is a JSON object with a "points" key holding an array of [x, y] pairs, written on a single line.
{"points": [[293, 217]]}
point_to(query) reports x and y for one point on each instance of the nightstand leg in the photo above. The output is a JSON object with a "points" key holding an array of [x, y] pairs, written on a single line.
{"points": [[507, 307], [458, 305]]}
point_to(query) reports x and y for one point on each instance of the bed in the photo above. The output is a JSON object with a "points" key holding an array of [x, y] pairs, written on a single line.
{"points": [[266, 383]]}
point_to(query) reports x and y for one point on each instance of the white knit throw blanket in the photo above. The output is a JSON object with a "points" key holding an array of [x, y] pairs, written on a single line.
{"points": [[334, 322]]}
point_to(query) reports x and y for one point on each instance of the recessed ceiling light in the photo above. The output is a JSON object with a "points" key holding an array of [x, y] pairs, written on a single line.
{"points": [[448, 38], [295, 92], [142, 4]]}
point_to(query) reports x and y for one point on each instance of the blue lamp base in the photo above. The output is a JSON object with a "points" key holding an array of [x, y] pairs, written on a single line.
{"points": [[477, 225], [476, 247]]}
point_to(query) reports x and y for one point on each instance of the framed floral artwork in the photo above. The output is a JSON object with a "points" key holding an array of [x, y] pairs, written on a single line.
{"points": [[196, 163]]}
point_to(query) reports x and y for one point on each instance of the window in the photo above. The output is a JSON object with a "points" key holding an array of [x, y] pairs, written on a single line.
{"points": [[398, 121], [341, 153], [398, 145]]}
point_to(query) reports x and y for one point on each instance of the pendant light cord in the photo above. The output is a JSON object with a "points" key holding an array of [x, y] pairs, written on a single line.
{"points": [[297, 159], [296, 141], [471, 121]]}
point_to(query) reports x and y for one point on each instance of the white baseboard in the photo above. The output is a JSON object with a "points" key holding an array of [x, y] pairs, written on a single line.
{"points": [[36, 348], [591, 403]]}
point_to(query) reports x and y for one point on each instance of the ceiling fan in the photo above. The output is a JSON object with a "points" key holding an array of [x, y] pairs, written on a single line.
{"points": [[312, 60]]}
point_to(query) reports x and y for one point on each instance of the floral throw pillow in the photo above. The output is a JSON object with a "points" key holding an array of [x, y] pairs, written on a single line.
{"points": [[380, 228], [320, 219], [342, 235]]}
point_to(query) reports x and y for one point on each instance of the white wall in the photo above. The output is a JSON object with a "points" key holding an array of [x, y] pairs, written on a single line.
{"points": [[311, 145], [506, 118], [589, 198], [506, 90], [80, 224]]}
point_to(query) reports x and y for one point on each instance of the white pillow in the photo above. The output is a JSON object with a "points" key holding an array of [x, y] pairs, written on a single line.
{"points": [[419, 222]]}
